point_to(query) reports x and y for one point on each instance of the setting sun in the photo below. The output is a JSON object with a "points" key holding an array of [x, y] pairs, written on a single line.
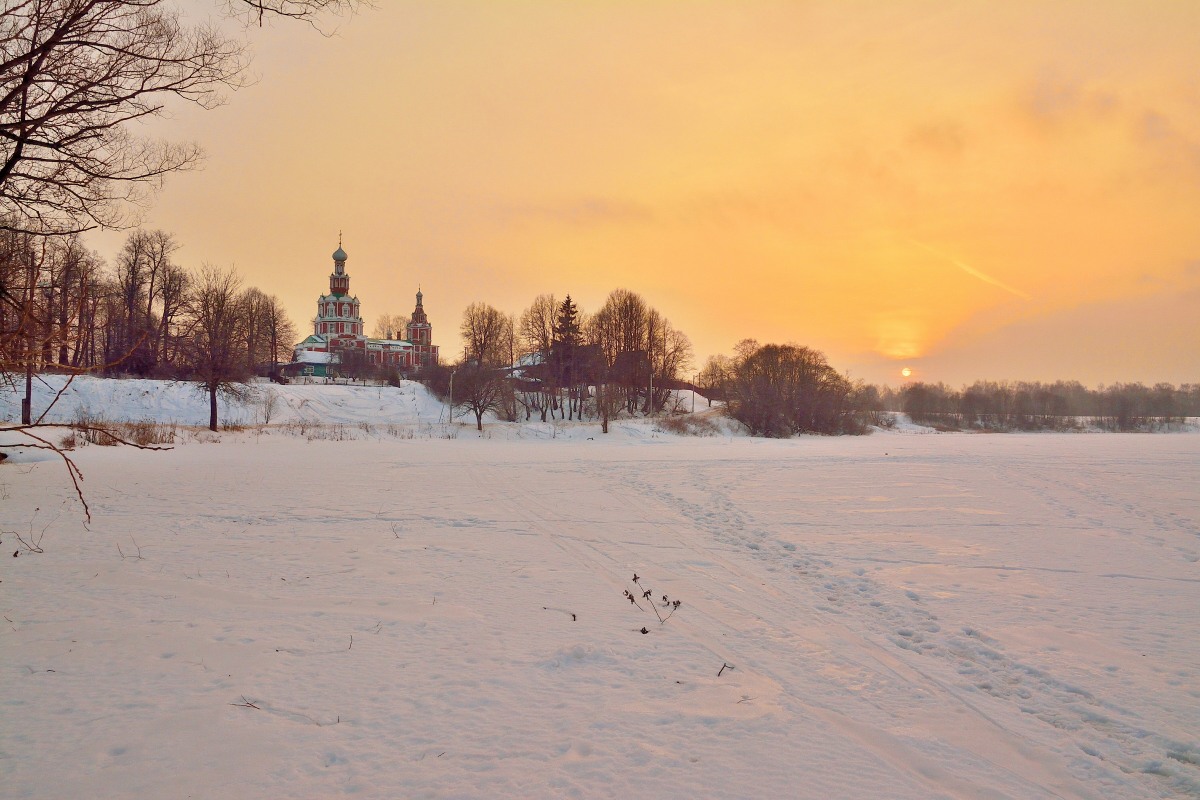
{"points": [[906, 372]]}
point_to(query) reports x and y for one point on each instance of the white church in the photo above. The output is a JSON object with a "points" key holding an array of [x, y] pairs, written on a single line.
{"points": [[338, 333]]}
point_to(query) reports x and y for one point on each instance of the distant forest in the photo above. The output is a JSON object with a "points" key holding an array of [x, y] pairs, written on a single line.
{"points": [[1062, 405]]}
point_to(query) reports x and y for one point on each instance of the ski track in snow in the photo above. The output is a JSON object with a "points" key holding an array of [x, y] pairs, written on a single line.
{"points": [[902, 616], [1101, 729]]}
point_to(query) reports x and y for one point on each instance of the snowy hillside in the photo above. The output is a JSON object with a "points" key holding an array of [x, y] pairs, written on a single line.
{"points": [[133, 400], [322, 411], [886, 616], [410, 408]]}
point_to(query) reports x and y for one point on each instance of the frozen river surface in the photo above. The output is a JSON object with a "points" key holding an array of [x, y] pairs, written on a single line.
{"points": [[902, 616]]}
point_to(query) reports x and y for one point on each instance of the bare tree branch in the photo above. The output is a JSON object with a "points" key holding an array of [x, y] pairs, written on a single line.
{"points": [[73, 75]]}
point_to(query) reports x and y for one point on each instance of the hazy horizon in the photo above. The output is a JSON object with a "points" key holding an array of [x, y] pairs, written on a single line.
{"points": [[971, 192]]}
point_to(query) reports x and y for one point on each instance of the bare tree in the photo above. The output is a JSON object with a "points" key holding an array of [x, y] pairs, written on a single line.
{"points": [[670, 355], [353, 363], [280, 331], [714, 377], [253, 331], [173, 288], [307, 10], [215, 350], [160, 271], [390, 326], [487, 336], [620, 324], [645, 354], [479, 389], [535, 337], [536, 328], [77, 281]]}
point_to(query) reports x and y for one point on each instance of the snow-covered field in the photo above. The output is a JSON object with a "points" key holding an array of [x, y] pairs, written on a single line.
{"points": [[901, 616]]}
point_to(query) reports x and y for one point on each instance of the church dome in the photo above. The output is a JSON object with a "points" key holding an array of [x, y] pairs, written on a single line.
{"points": [[339, 254]]}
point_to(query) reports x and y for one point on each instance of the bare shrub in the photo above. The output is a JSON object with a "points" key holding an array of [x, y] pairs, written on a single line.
{"points": [[148, 432], [268, 404], [882, 419], [93, 429], [399, 431], [646, 595], [688, 425], [331, 433], [89, 428]]}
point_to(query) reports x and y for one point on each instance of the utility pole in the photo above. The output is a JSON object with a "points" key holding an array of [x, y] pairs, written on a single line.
{"points": [[27, 323], [27, 400]]}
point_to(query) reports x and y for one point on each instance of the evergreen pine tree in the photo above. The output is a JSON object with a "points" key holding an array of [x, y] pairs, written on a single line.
{"points": [[567, 332], [567, 338]]}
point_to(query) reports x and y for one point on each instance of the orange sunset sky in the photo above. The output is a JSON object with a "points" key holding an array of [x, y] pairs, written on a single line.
{"points": [[973, 190]]}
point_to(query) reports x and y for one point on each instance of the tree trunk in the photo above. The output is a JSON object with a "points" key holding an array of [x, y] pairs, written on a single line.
{"points": [[602, 401], [212, 408]]}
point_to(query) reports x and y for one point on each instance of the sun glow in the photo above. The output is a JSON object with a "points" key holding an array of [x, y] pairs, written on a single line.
{"points": [[906, 372]]}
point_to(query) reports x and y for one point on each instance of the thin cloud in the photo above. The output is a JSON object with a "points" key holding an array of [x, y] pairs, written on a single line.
{"points": [[974, 272], [584, 211]]}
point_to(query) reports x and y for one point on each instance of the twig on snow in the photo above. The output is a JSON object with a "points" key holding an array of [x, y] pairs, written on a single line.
{"points": [[138, 557]]}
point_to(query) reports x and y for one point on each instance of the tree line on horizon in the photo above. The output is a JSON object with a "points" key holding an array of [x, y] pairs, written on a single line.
{"points": [[1034, 406]]}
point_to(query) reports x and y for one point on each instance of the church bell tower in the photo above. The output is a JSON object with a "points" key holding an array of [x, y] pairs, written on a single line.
{"points": [[339, 281]]}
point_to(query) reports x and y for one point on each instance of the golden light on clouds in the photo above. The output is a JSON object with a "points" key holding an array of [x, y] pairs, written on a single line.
{"points": [[900, 337], [883, 181]]}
